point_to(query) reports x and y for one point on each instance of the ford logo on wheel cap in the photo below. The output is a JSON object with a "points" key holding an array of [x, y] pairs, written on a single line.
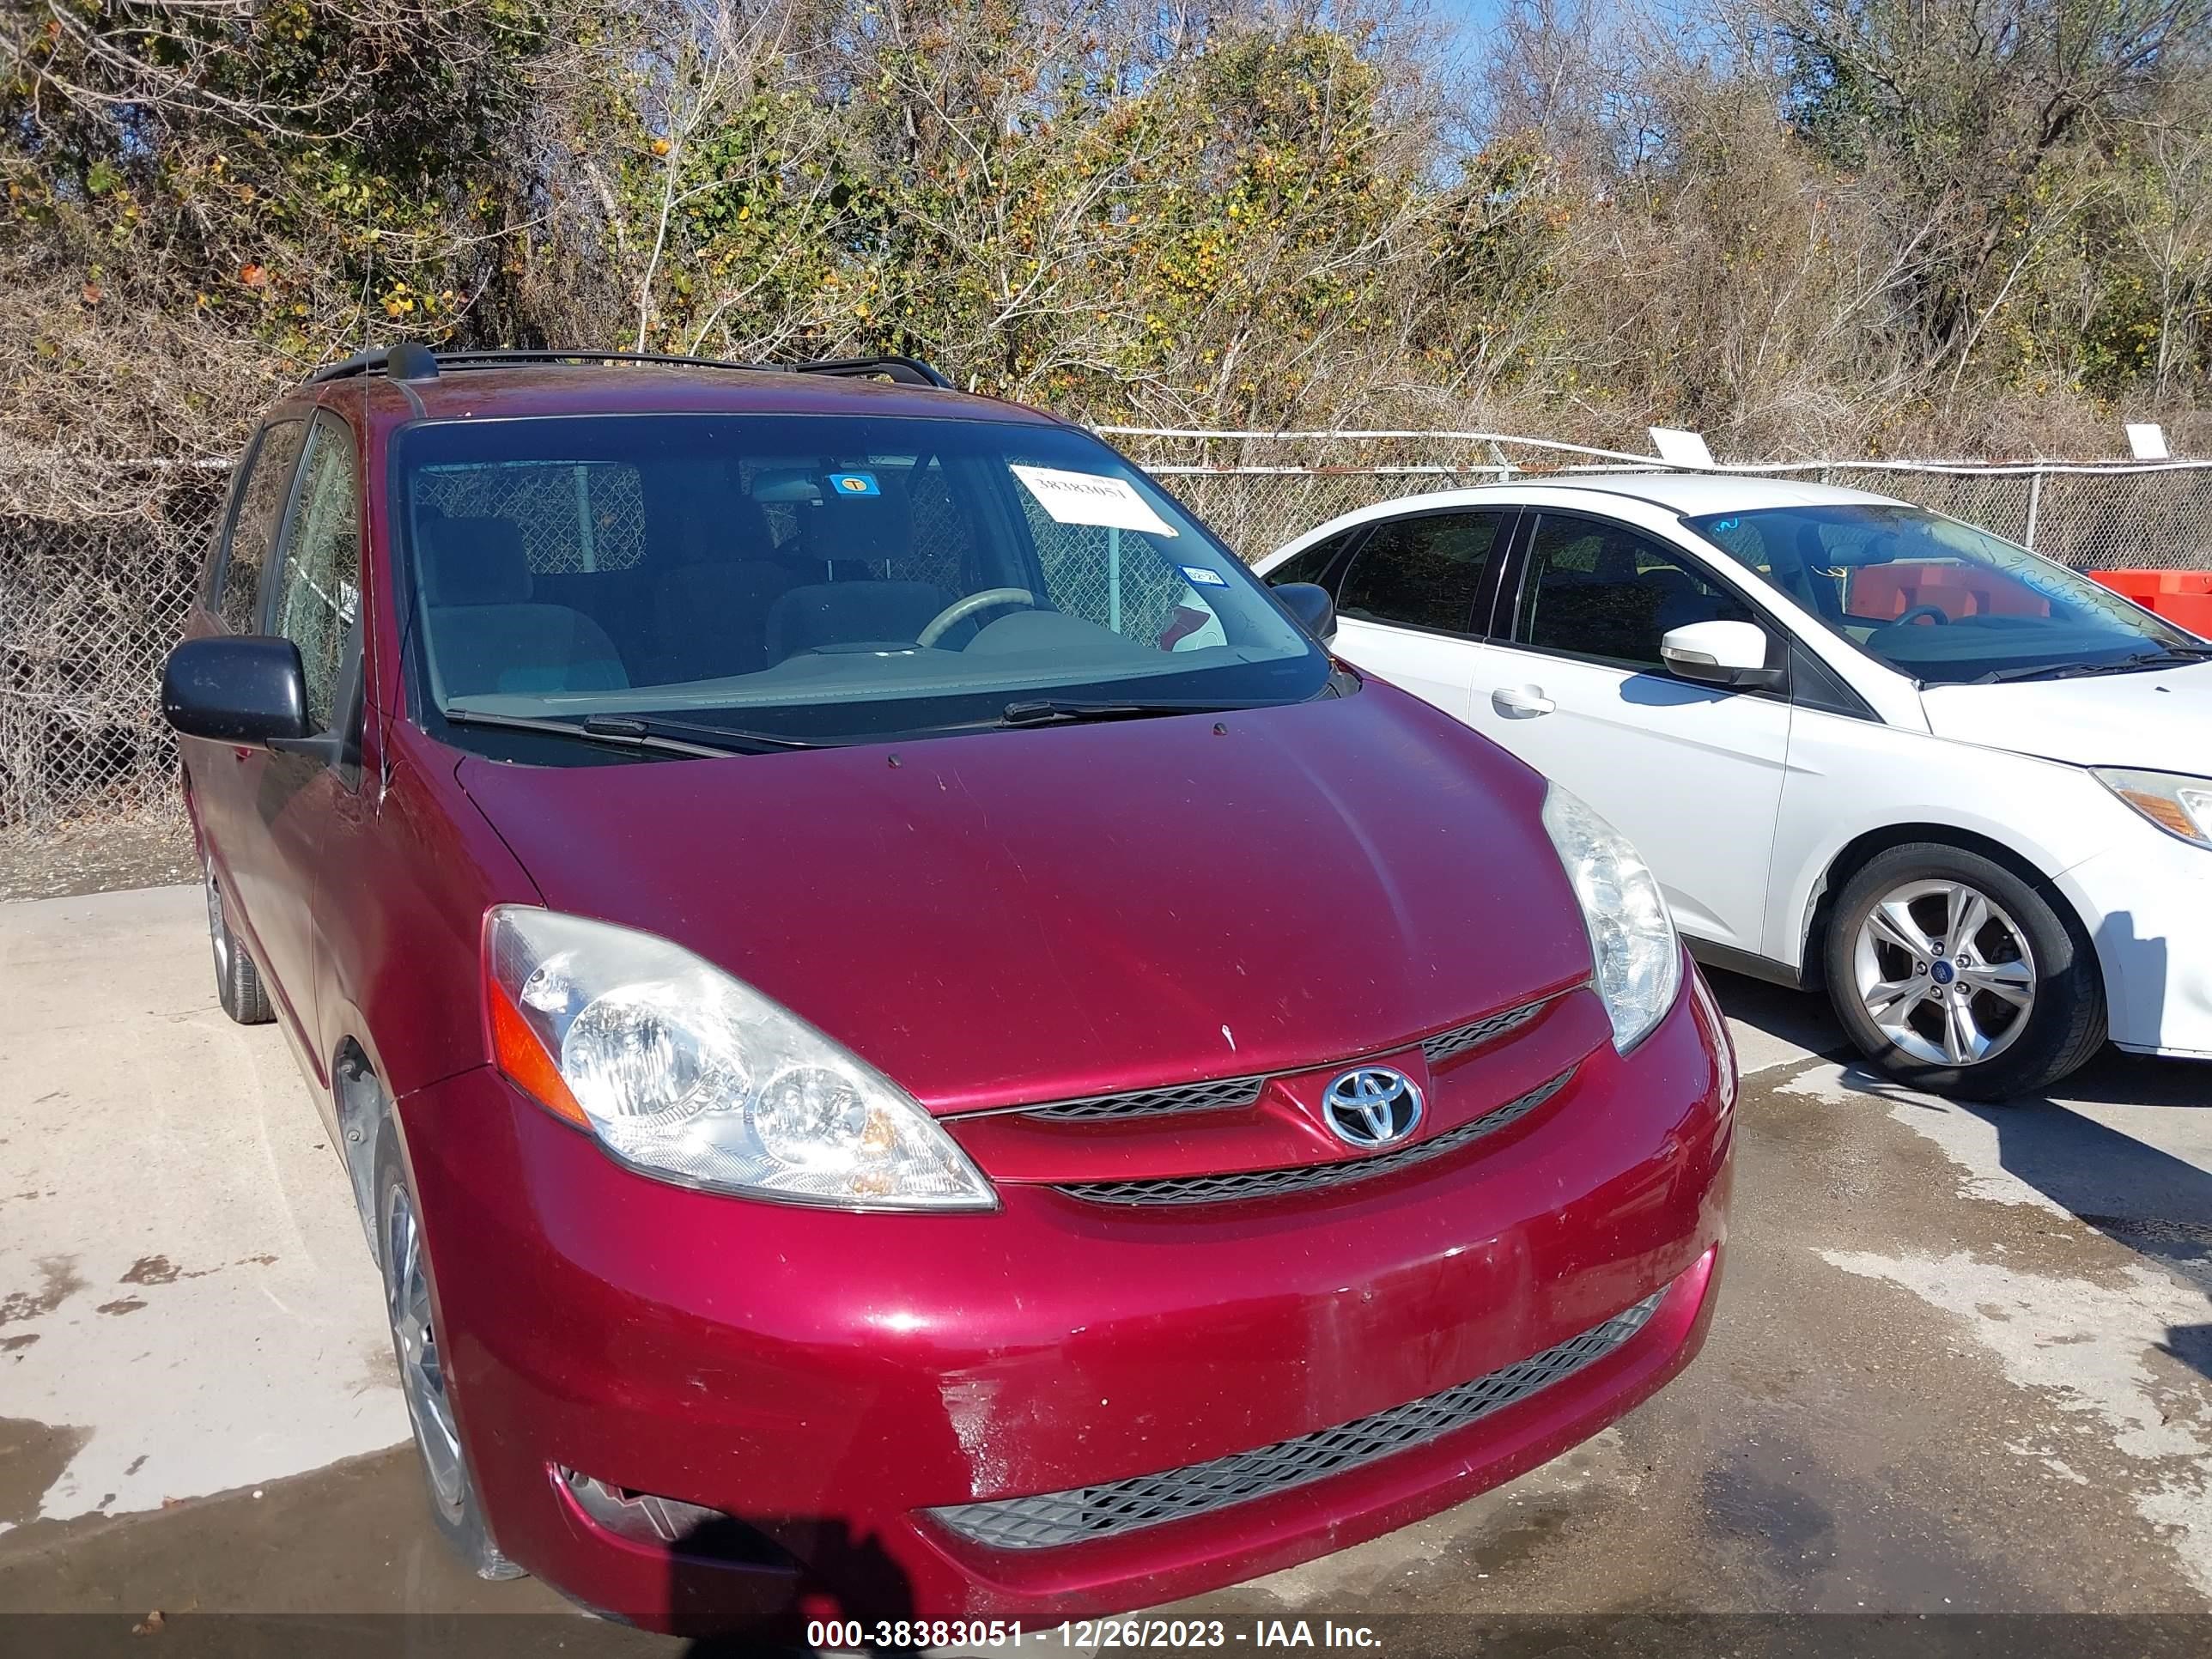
{"points": [[1374, 1106]]}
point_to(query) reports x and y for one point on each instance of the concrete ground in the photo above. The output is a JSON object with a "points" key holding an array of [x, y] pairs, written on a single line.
{"points": [[1963, 1360]]}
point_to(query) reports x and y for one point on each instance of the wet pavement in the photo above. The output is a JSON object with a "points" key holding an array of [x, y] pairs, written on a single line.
{"points": [[1963, 1364]]}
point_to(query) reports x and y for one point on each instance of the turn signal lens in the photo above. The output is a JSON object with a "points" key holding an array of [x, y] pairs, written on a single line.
{"points": [[2177, 803], [517, 1052]]}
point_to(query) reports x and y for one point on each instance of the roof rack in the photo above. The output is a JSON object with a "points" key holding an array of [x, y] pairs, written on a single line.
{"points": [[407, 361]]}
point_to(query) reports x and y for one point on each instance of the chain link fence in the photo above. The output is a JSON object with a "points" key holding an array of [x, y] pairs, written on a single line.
{"points": [[1258, 490], [88, 609]]}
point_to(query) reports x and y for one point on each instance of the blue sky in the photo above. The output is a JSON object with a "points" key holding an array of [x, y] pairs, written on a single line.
{"points": [[1474, 13]]}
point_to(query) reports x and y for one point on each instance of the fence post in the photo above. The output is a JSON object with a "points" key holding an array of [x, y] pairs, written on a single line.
{"points": [[2035, 506], [1114, 578]]}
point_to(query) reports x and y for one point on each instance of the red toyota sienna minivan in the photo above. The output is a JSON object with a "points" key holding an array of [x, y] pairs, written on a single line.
{"points": [[909, 1046]]}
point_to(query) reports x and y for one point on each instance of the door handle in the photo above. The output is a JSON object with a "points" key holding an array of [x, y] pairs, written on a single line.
{"points": [[1521, 702]]}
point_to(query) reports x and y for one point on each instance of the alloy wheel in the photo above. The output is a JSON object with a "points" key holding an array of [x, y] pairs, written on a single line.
{"points": [[421, 1376], [1944, 972], [218, 930]]}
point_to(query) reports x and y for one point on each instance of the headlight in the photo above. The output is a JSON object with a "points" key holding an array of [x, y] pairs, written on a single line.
{"points": [[689, 1075], [2177, 803], [1640, 961]]}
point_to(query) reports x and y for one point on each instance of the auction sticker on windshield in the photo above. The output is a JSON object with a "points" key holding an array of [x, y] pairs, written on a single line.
{"points": [[1088, 498]]}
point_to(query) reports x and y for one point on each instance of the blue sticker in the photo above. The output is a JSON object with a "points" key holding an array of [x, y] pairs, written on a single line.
{"points": [[1726, 525], [1205, 578], [854, 483]]}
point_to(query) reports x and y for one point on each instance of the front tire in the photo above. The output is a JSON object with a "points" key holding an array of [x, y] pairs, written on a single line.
{"points": [[410, 1307], [1953, 974]]}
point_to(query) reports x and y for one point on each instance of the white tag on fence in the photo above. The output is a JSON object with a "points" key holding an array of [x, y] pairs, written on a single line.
{"points": [[2146, 441], [1679, 448]]}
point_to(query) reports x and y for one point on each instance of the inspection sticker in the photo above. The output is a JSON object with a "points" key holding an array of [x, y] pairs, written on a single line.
{"points": [[1205, 578], [1087, 498]]}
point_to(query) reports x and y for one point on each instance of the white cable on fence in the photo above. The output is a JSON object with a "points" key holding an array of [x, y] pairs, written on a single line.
{"points": [[1642, 463]]}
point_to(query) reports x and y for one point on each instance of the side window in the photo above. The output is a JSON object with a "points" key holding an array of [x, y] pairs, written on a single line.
{"points": [[318, 592], [260, 504], [1605, 591], [1424, 572], [1310, 564]]}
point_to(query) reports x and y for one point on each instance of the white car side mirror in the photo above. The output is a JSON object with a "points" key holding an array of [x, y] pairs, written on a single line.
{"points": [[1721, 653]]}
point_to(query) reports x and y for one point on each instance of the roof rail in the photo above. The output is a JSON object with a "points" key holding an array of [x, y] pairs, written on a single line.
{"points": [[407, 361]]}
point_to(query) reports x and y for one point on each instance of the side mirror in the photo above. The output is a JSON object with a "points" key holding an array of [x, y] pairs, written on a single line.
{"points": [[247, 689], [1309, 603], [1721, 653]]}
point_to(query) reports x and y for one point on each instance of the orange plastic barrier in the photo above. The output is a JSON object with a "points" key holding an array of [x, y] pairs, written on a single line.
{"points": [[2182, 597]]}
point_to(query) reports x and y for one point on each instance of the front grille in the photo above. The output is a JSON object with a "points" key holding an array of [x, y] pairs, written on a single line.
{"points": [[1075, 1516], [1227, 1094], [1216, 1097], [1450, 1045], [1309, 1177]]}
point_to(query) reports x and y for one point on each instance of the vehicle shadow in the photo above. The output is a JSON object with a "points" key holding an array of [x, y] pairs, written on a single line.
{"points": [[2156, 1205], [2073, 1144], [738, 1589], [1774, 1024]]}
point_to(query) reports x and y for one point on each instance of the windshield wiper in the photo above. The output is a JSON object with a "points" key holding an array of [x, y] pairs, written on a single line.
{"points": [[624, 731], [2069, 671], [1045, 711], [739, 738]]}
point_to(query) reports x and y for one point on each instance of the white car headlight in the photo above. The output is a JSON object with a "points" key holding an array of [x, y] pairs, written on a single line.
{"points": [[2177, 803], [1632, 934], [691, 1076]]}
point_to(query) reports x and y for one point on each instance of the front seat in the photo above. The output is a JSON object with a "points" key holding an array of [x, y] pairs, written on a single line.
{"points": [[486, 636], [1801, 578], [711, 606], [857, 542]]}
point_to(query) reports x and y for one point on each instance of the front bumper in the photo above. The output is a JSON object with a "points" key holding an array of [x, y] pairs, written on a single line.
{"points": [[828, 1380], [2149, 907]]}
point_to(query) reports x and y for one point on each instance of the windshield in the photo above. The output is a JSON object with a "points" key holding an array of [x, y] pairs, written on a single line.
{"points": [[1938, 599], [825, 578]]}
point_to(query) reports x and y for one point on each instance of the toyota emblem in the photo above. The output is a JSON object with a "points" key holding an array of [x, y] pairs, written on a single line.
{"points": [[1375, 1106]]}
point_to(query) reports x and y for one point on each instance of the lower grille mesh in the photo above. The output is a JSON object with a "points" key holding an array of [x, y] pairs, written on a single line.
{"points": [[1309, 1177], [1052, 1519]]}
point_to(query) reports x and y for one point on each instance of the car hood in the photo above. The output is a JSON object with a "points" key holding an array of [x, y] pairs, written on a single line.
{"points": [[2160, 719], [1040, 915]]}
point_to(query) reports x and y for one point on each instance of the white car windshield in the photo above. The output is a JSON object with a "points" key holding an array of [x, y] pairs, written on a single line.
{"points": [[1942, 601], [815, 579]]}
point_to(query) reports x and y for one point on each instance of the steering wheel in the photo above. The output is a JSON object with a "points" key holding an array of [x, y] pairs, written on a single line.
{"points": [[961, 610], [1937, 612]]}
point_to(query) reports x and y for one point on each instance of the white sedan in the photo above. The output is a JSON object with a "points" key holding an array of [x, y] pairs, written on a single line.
{"points": [[1859, 744]]}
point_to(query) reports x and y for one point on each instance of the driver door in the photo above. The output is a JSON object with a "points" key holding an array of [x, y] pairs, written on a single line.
{"points": [[314, 601]]}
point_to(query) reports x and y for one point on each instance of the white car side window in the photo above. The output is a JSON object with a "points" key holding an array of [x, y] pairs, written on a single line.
{"points": [[1600, 590], [1424, 572]]}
